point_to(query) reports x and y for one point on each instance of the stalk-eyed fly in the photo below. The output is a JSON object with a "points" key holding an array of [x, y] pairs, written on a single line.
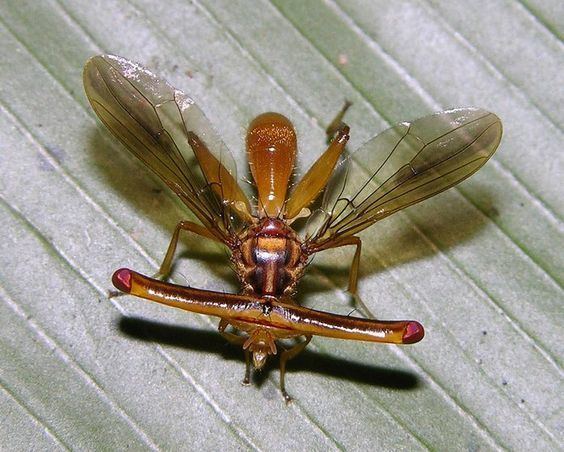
{"points": [[403, 165]]}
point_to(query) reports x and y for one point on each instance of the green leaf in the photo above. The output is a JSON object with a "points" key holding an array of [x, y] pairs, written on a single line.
{"points": [[481, 266]]}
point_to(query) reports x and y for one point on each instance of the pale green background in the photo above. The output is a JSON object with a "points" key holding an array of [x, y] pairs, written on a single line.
{"points": [[480, 266]]}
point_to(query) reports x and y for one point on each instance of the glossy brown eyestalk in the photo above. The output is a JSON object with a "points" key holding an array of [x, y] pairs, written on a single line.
{"points": [[402, 166]]}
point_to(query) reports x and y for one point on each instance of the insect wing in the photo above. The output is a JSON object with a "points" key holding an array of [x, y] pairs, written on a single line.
{"points": [[402, 166], [165, 129]]}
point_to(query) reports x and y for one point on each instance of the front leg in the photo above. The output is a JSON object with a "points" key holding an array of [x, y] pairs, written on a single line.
{"points": [[285, 356], [235, 339]]}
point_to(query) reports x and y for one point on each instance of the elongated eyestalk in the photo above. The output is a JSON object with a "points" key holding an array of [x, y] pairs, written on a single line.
{"points": [[201, 301], [287, 320], [310, 321]]}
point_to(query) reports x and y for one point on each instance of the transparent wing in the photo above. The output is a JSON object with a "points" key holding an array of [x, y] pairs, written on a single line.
{"points": [[402, 166], [165, 129]]}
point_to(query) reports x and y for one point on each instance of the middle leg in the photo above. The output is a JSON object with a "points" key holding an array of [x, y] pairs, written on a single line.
{"points": [[354, 269], [184, 225], [166, 265]]}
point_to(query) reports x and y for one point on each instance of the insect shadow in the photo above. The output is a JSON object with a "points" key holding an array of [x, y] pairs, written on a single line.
{"points": [[308, 361]]}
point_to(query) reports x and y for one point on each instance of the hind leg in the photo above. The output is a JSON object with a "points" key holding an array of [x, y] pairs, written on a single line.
{"points": [[337, 123]]}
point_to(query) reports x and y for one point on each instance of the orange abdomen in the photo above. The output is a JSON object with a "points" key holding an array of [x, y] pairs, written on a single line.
{"points": [[271, 147]]}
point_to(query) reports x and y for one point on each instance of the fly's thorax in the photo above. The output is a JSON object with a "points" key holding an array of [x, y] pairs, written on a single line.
{"points": [[271, 260]]}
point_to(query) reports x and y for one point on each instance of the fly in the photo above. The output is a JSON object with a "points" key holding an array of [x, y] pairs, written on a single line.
{"points": [[403, 165]]}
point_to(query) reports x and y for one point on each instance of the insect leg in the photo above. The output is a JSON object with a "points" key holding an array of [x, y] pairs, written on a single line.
{"points": [[354, 269], [337, 122], [284, 357], [237, 340], [164, 269], [195, 228]]}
